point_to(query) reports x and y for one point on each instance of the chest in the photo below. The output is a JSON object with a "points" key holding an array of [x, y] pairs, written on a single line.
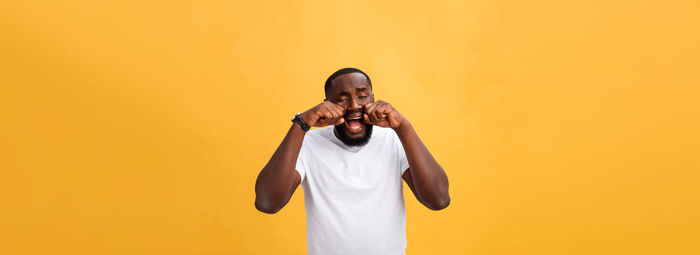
{"points": [[367, 171]]}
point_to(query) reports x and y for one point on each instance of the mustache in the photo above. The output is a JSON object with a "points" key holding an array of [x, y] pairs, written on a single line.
{"points": [[355, 113]]}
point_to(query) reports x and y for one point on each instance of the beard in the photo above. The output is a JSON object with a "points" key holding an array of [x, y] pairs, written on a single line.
{"points": [[342, 134]]}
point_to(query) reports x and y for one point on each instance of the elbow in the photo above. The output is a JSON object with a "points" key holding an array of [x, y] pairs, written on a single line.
{"points": [[266, 207], [439, 204]]}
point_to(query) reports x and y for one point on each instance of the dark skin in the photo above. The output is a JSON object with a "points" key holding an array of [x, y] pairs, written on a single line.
{"points": [[349, 96]]}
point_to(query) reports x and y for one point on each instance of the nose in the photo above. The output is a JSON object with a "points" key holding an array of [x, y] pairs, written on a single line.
{"points": [[354, 106]]}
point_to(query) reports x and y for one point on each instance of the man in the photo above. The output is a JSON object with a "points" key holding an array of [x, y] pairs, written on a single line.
{"points": [[351, 171]]}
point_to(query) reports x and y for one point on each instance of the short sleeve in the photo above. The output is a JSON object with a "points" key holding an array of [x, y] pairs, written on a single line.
{"points": [[401, 154], [300, 166]]}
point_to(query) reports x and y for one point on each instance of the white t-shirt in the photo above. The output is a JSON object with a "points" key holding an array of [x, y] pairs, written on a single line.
{"points": [[353, 194]]}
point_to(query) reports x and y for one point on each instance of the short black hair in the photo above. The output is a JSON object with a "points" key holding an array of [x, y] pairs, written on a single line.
{"points": [[344, 71]]}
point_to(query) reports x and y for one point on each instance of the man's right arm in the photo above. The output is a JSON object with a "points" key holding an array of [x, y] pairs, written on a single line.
{"points": [[278, 180]]}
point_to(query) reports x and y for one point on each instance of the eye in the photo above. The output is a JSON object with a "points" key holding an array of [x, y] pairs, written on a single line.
{"points": [[362, 97], [340, 100]]}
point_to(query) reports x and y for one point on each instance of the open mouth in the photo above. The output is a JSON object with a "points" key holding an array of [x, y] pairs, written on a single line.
{"points": [[354, 124]]}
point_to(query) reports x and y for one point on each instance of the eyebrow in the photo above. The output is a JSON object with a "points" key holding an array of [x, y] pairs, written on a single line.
{"points": [[362, 89], [346, 93], [343, 93]]}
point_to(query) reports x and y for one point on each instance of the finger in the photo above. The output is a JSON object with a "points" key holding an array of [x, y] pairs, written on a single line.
{"points": [[366, 106], [337, 107], [325, 117], [387, 110], [333, 113], [336, 118], [379, 112], [328, 115], [369, 108], [366, 118], [381, 123], [318, 116], [339, 110], [372, 118]]}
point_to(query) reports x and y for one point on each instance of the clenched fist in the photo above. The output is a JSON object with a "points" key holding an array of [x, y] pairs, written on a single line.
{"points": [[324, 114], [382, 114]]}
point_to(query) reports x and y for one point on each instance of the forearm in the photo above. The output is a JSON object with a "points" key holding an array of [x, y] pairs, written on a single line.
{"points": [[276, 181], [429, 179]]}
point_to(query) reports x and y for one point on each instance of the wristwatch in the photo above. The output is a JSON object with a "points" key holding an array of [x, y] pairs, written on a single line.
{"points": [[297, 119]]}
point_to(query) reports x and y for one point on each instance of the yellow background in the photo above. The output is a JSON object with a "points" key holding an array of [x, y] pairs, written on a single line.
{"points": [[139, 127]]}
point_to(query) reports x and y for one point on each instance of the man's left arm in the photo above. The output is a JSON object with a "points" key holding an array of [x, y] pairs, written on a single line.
{"points": [[425, 176]]}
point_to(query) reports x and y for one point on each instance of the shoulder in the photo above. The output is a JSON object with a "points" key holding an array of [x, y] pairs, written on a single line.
{"points": [[319, 131], [317, 134], [385, 136], [385, 132]]}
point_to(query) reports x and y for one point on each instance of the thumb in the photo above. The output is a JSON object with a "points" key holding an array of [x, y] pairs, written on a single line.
{"points": [[367, 121]]}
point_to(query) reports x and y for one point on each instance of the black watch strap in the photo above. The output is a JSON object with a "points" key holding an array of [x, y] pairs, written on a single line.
{"points": [[297, 119]]}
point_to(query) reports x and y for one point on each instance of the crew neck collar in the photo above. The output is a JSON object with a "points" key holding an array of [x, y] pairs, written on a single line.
{"points": [[336, 140]]}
